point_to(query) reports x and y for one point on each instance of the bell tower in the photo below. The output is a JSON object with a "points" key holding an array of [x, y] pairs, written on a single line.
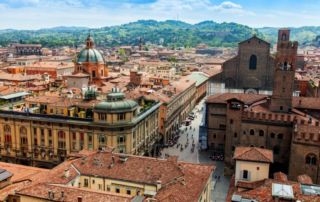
{"points": [[285, 66]]}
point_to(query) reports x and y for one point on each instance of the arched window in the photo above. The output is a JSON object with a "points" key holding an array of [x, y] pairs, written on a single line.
{"points": [[261, 133], [23, 136], [253, 62], [284, 37], [7, 136], [311, 159], [251, 132], [272, 135]]}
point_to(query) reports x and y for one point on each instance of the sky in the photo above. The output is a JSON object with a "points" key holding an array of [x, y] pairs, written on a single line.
{"points": [[36, 14]]}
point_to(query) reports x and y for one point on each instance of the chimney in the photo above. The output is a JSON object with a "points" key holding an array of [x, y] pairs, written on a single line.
{"points": [[79, 199], [112, 162], [66, 173]]}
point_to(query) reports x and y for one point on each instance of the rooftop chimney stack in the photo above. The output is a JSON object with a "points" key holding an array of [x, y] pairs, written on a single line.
{"points": [[66, 173]]}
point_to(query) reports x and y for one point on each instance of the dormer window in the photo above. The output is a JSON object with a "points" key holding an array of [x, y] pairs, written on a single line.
{"points": [[235, 105]]}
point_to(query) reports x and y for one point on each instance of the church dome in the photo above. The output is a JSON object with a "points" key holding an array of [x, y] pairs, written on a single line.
{"points": [[89, 53]]}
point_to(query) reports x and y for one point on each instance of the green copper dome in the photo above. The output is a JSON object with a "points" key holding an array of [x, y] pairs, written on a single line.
{"points": [[89, 53], [115, 103]]}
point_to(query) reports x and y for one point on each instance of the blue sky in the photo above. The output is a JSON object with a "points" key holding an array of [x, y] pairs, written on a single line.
{"points": [[34, 14]]}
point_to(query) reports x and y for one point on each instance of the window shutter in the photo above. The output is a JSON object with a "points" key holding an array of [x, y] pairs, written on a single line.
{"points": [[249, 175], [241, 174]]}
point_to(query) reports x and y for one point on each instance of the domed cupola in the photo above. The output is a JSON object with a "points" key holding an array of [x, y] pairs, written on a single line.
{"points": [[116, 103], [90, 61], [89, 54]]}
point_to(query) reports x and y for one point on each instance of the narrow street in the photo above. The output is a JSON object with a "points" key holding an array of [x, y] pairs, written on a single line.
{"points": [[188, 134]]}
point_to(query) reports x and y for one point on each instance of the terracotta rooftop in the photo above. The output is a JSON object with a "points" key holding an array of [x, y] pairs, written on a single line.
{"points": [[65, 193], [280, 176], [135, 169], [245, 98], [62, 101], [22, 176], [253, 154], [262, 191], [50, 65], [180, 181], [306, 103], [304, 179], [15, 169], [189, 188]]}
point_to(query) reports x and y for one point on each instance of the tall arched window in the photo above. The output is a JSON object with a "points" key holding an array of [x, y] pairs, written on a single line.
{"points": [[7, 136], [23, 136], [284, 37], [61, 140], [253, 62], [311, 159], [251, 132], [261, 133]]}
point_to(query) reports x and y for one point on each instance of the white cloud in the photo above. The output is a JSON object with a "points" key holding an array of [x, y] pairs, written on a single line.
{"points": [[229, 5]]}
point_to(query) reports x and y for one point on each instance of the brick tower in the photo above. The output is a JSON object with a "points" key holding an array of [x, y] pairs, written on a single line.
{"points": [[285, 65]]}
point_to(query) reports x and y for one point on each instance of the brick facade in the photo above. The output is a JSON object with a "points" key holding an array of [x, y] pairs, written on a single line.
{"points": [[237, 72]]}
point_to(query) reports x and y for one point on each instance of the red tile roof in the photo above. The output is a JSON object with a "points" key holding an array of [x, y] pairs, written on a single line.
{"points": [[245, 98], [180, 181], [71, 194], [306, 103], [253, 154], [280, 176], [189, 187], [305, 179], [262, 191], [135, 169]]}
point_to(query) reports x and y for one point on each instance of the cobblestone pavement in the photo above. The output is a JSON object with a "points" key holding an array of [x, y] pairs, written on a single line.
{"points": [[189, 134]]}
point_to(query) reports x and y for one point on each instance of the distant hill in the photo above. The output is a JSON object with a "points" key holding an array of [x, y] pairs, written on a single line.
{"points": [[304, 35], [168, 33]]}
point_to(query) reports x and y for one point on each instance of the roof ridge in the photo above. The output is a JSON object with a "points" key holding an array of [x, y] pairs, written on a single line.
{"points": [[259, 150]]}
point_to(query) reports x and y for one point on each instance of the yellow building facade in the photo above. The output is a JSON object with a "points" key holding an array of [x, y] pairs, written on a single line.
{"points": [[45, 140]]}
